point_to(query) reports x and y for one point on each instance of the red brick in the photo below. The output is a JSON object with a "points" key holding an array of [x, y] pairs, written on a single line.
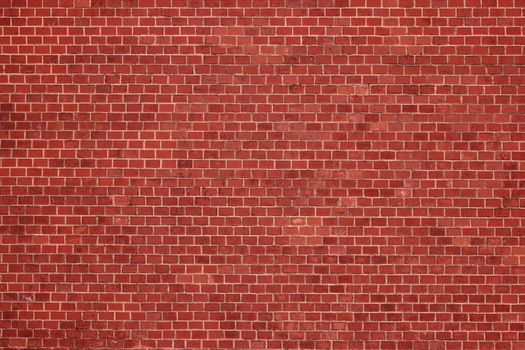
{"points": [[120, 200], [461, 241], [350, 202], [17, 343], [82, 3], [147, 40]]}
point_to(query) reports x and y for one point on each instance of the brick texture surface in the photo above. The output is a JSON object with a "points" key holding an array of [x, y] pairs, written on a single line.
{"points": [[262, 174]]}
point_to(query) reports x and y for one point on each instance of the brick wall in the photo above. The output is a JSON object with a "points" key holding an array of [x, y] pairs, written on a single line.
{"points": [[262, 174]]}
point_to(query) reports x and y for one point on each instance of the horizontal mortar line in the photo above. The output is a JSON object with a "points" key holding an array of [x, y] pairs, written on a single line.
{"points": [[262, 169], [184, 196], [273, 275], [285, 226], [306, 217], [248, 196], [283, 74]]}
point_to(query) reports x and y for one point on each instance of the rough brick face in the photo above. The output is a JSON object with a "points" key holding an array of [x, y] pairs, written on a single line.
{"points": [[263, 174]]}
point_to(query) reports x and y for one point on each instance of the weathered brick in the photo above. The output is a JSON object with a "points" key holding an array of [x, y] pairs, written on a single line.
{"points": [[82, 3]]}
